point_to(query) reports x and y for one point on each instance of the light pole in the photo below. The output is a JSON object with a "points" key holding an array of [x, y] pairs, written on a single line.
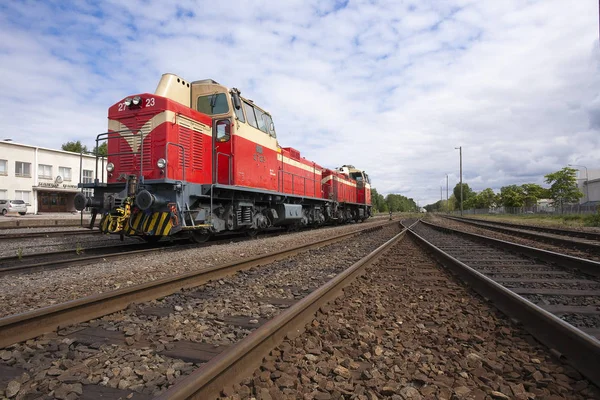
{"points": [[587, 187], [461, 186]]}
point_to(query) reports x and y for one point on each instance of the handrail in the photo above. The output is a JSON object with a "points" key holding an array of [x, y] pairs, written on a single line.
{"points": [[281, 180]]}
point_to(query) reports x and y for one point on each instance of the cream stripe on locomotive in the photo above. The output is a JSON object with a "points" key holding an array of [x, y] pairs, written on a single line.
{"points": [[335, 178], [298, 164], [165, 116]]}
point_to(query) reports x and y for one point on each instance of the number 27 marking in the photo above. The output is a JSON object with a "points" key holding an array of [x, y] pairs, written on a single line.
{"points": [[149, 103]]}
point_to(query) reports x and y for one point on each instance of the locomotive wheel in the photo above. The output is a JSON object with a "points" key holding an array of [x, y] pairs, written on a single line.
{"points": [[200, 237], [253, 233], [151, 239]]}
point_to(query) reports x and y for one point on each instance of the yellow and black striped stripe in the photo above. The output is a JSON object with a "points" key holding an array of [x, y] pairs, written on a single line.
{"points": [[153, 224]]}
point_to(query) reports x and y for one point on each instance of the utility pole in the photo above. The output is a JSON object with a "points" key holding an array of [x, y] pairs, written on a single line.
{"points": [[447, 203], [461, 185]]}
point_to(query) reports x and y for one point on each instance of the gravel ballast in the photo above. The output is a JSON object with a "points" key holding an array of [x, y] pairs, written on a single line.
{"points": [[20, 293], [408, 330], [137, 350]]}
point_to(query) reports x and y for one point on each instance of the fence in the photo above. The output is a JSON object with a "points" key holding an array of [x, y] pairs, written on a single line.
{"points": [[566, 209]]}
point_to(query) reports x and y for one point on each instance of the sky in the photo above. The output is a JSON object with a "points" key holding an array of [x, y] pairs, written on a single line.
{"points": [[391, 86]]}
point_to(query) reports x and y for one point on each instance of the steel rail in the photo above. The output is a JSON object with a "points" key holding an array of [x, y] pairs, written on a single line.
{"points": [[556, 231], [85, 256], [579, 349], [31, 235], [244, 357], [585, 246], [572, 263], [20, 327]]}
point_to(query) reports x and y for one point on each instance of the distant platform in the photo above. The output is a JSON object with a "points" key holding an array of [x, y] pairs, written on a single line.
{"points": [[43, 219]]}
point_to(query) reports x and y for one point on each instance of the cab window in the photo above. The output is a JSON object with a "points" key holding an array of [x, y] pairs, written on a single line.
{"points": [[260, 118], [250, 115], [239, 114], [270, 125], [213, 104]]}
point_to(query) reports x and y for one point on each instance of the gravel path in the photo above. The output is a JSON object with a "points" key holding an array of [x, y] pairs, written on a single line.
{"points": [[407, 330], [139, 350], [20, 293]]}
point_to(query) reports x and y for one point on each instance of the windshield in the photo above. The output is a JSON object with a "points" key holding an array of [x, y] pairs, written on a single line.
{"points": [[213, 104], [18, 202]]}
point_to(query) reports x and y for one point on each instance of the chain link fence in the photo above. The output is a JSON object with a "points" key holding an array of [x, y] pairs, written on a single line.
{"points": [[584, 209]]}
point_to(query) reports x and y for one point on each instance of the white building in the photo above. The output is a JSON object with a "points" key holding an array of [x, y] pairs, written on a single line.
{"points": [[45, 179], [588, 182]]}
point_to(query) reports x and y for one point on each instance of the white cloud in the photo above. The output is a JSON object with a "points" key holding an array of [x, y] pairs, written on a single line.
{"points": [[391, 87]]}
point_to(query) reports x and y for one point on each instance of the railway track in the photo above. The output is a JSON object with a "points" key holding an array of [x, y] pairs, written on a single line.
{"points": [[220, 363], [32, 235], [556, 297], [589, 236], [28, 263], [588, 244]]}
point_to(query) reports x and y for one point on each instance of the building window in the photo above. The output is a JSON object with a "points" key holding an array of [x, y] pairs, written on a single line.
{"points": [[22, 195], [3, 167], [65, 173], [44, 171], [23, 169], [3, 194], [88, 176]]}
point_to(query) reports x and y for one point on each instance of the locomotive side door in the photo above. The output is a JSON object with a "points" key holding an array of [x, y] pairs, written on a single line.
{"points": [[222, 157]]}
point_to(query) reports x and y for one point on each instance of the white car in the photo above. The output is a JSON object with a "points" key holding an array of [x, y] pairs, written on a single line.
{"points": [[7, 206]]}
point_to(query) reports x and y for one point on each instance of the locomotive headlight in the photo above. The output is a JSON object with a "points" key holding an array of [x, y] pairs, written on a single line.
{"points": [[128, 101], [161, 163], [136, 100], [110, 167]]}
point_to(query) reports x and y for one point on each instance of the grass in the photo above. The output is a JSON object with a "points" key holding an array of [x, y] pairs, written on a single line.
{"points": [[567, 220]]}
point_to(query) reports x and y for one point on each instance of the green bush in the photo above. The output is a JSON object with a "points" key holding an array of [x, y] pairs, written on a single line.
{"points": [[571, 217], [592, 220]]}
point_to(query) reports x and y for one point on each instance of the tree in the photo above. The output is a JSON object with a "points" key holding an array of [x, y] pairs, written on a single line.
{"points": [[75, 147], [512, 196], [378, 201], [399, 203], [466, 195], [532, 193], [102, 149], [563, 186], [484, 199]]}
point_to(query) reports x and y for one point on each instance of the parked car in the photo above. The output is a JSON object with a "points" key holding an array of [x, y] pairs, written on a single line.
{"points": [[7, 206]]}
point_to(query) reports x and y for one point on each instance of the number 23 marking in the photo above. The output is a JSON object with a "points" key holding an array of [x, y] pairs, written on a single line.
{"points": [[151, 102]]}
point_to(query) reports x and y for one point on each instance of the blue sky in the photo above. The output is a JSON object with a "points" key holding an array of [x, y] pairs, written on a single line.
{"points": [[389, 86]]}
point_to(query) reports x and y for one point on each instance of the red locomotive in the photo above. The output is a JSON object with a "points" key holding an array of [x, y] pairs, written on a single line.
{"points": [[197, 158]]}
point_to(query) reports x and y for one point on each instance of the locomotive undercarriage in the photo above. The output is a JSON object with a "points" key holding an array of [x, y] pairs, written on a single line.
{"points": [[159, 209]]}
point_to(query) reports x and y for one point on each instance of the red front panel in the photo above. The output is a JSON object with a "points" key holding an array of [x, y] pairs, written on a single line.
{"points": [[170, 130]]}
